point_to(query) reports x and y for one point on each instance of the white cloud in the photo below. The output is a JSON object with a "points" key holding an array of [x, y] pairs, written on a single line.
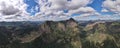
{"points": [[64, 4], [82, 10], [55, 7], [98, 17], [112, 6], [104, 10], [9, 10], [15, 10]]}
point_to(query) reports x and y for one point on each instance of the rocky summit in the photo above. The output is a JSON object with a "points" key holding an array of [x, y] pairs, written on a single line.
{"points": [[60, 34]]}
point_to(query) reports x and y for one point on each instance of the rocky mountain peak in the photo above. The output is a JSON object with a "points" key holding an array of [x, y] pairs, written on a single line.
{"points": [[71, 19]]}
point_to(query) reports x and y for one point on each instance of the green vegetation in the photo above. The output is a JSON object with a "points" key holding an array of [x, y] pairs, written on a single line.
{"points": [[63, 34]]}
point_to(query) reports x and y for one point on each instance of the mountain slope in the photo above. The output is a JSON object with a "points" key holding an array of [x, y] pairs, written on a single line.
{"points": [[61, 34]]}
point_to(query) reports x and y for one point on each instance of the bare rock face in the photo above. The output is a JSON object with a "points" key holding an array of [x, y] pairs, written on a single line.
{"points": [[71, 23], [65, 32], [61, 26]]}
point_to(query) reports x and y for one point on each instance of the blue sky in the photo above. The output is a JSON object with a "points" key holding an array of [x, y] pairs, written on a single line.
{"points": [[96, 4], [31, 6]]}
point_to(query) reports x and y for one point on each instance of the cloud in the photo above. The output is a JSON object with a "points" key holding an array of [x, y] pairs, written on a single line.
{"points": [[58, 5], [112, 6], [82, 10], [98, 17], [12, 10], [64, 4], [104, 10], [15, 10], [55, 7], [9, 10]]}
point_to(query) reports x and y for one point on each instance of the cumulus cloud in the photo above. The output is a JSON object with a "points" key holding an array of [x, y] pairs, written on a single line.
{"points": [[64, 4], [112, 6], [9, 10], [82, 10], [13, 10], [56, 7]]}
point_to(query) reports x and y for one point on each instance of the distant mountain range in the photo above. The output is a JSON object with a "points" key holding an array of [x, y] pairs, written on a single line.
{"points": [[60, 34]]}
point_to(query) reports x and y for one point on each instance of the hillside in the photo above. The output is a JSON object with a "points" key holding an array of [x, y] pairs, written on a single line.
{"points": [[61, 34]]}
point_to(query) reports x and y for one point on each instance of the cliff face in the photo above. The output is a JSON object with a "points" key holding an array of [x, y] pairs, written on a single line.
{"points": [[61, 34]]}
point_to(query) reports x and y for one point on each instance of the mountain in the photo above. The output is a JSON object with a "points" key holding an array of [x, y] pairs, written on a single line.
{"points": [[60, 34]]}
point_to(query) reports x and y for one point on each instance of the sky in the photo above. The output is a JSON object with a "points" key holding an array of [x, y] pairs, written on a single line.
{"points": [[56, 10]]}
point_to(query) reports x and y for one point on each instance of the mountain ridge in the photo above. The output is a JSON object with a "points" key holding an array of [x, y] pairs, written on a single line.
{"points": [[61, 34]]}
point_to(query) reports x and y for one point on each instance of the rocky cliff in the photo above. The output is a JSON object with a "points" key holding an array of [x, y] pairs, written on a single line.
{"points": [[61, 34]]}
